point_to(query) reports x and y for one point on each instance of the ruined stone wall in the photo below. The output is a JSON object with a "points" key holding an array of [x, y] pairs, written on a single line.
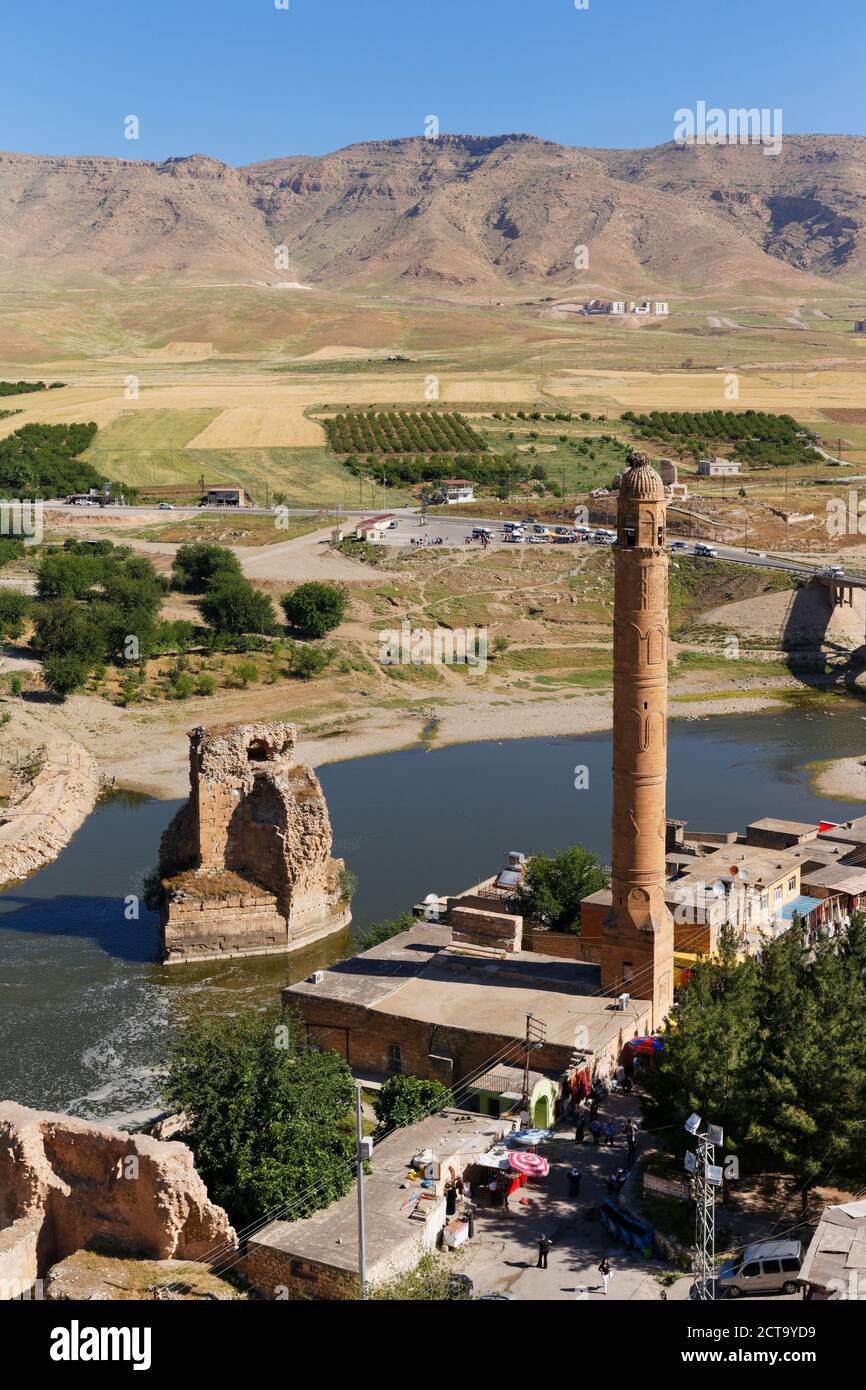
{"points": [[246, 865], [66, 1184]]}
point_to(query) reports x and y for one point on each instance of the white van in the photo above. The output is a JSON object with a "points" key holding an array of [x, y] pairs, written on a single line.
{"points": [[769, 1266]]}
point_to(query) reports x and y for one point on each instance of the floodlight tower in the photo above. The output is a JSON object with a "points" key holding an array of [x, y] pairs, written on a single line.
{"points": [[708, 1176]]}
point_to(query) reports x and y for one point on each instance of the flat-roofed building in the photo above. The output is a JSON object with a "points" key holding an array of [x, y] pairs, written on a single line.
{"points": [[836, 1258]]}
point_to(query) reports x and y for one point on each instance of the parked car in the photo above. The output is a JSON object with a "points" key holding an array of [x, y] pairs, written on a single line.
{"points": [[708, 551], [481, 533], [392, 525], [768, 1266], [537, 540]]}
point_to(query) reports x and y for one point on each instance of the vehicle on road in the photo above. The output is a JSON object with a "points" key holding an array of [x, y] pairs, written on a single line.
{"points": [[708, 551], [537, 540], [768, 1266], [678, 547], [165, 507], [832, 572], [392, 525], [481, 533]]}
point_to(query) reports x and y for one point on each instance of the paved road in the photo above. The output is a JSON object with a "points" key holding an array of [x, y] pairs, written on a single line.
{"points": [[458, 531]]}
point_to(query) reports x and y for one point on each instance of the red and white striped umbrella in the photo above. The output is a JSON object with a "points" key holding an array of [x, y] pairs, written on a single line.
{"points": [[533, 1165]]}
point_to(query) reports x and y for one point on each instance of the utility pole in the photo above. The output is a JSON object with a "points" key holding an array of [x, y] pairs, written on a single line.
{"points": [[536, 1035], [364, 1151]]}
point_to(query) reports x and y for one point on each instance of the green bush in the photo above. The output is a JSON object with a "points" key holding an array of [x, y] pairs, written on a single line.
{"points": [[14, 612], [305, 663], [405, 1099], [205, 685], [315, 609], [65, 673], [232, 605]]}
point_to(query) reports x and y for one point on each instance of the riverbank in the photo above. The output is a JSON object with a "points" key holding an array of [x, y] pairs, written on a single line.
{"points": [[146, 750], [53, 791]]}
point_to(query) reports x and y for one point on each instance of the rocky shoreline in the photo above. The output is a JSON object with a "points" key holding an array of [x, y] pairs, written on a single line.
{"points": [[53, 794]]}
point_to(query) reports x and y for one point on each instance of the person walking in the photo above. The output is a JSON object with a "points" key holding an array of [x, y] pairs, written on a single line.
{"points": [[579, 1128], [544, 1247], [609, 1133], [595, 1128], [469, 1213], [574, 1178], [605, 1271]]}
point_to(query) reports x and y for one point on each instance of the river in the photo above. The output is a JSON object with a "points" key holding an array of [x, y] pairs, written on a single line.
{"points": [[86, 1010]]}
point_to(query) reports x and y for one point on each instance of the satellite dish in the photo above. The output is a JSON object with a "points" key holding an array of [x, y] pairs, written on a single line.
{"points": [[718, 889], [744, 874], [432, 899]]}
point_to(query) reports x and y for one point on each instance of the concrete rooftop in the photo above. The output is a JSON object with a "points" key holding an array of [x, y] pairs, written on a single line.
{"points": [[411, 976]]}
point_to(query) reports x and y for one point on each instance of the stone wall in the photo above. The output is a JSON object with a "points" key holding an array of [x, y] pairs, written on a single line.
{"points": [[496, 931], [67, 1184], [246, 865], [364, 1036], [563, 944]]}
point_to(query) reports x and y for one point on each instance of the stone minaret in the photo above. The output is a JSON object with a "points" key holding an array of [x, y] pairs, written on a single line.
{"points": [[638, 937]]}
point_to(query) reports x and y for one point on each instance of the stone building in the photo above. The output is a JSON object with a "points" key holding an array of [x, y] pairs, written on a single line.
{"points": [[246, 866], [318, 1257]]}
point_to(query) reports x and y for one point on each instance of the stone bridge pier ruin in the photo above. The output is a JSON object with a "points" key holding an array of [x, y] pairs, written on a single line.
{"points": [[246, 866]]}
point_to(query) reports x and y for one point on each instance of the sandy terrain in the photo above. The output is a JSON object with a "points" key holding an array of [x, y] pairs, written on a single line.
{"points": [[305, 557], [844, 779]]}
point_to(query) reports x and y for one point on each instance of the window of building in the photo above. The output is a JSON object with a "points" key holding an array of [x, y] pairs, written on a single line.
{"points": [[395, 1059], [792, 884], [627, 971], [777, 895]]}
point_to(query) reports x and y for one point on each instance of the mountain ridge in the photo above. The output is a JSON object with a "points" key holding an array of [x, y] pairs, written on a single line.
{"points": [[474, 214]]}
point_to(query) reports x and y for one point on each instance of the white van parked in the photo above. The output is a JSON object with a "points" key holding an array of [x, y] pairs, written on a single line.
{"points": [[768, 1266]]}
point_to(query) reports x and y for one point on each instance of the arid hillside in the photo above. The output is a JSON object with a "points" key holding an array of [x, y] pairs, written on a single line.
{"points": [[456, 216]]}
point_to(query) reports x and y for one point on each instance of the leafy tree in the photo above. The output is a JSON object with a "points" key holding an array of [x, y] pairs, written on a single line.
{"points": [[405, 1099], [232, 605], [14, 611], [315, 609], [197, 564], [64, 627], [268, 1119], [553, 888], [712, 1048], [64, 673], [65, 574]]}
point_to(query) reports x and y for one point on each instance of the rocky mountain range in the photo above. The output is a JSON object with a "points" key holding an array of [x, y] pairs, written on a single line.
{"points": [[458, 215]]}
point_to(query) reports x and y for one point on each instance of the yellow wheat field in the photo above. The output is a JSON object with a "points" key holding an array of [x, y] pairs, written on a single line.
{"points": [[260, 427]]}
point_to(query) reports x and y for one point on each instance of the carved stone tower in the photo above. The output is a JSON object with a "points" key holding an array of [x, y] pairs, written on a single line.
{"points": [[638, 937]]}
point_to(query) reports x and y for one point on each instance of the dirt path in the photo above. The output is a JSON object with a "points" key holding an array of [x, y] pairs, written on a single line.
{"points": [[305, 557]]}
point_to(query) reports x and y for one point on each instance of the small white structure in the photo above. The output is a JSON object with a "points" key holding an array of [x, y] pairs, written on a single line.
{"points": [[373, 528], [457, 491], [719, 468]]}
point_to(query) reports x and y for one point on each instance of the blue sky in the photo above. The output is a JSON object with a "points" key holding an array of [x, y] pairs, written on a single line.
{"points": [[242, 80]]}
